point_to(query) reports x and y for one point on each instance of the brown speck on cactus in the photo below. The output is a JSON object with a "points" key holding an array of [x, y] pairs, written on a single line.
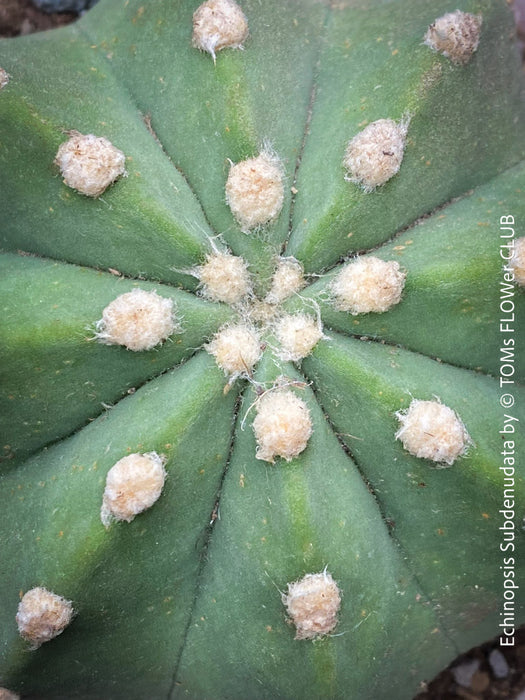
{"points": [[133, 485], [90, 164], [287, 279], [431, 430], [375, 154], [282, 425], [4, 79], [138, 320], [224, 277], [312, 604], [219, 24], [297, 334], [255, 191], [455, 35], [368, 284], [42, 615], [236, 349], [517, 261]]}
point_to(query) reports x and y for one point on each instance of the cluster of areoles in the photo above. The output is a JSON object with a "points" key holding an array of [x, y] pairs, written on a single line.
{"points": [[141, 320]]}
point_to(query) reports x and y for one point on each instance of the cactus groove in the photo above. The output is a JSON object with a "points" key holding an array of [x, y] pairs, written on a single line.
{"points": [[290, 543]]}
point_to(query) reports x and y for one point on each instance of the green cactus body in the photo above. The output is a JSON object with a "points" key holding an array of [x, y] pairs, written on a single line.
{"points": [[191, 598]]}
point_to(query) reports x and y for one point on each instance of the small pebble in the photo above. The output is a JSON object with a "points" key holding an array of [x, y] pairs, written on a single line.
{"points": [[498, 663], [464, 672], [480, 681]]}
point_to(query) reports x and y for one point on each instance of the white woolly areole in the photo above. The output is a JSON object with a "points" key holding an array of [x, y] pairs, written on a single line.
{"points": [[282, 425], [431, 430], [219, 24], [375, 154], [139, 320], [313, 604], [255, 190], [297, 334], [224, 277], [236, 349], [8, 695], [133, 485], [455, 35], [517, 262], [4, 79], [42, 615], [368, 285], [89, 164], [288, 279]]}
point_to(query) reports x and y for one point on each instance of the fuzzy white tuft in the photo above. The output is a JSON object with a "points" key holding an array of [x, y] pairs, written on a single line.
{"points": [[4, 78], [282, 425], [42, 615], [312, 604], [133, 484], [517, 262], [431, 430], [375, 154], [138, 320], [455, 35], [297, 334], [219, 24], [368, 284], [255, 190], [236, 349], [224, 277], [89, 164], [288, 279]]}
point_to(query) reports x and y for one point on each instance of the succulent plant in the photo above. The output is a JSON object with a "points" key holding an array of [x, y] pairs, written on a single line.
{"points": [[258, 441]]}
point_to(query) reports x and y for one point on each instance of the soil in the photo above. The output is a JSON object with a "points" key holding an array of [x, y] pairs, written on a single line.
{"points": [[21, 17]]}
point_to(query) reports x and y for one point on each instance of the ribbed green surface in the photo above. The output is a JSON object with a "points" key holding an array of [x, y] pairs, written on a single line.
{"points": [[185, 601]]}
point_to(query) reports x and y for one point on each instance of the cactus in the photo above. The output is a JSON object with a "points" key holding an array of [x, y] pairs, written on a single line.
{"points": [[276, 471]]}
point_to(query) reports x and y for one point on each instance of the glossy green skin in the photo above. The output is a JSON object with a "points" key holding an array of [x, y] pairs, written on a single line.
{"points": [[185, 601]]}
